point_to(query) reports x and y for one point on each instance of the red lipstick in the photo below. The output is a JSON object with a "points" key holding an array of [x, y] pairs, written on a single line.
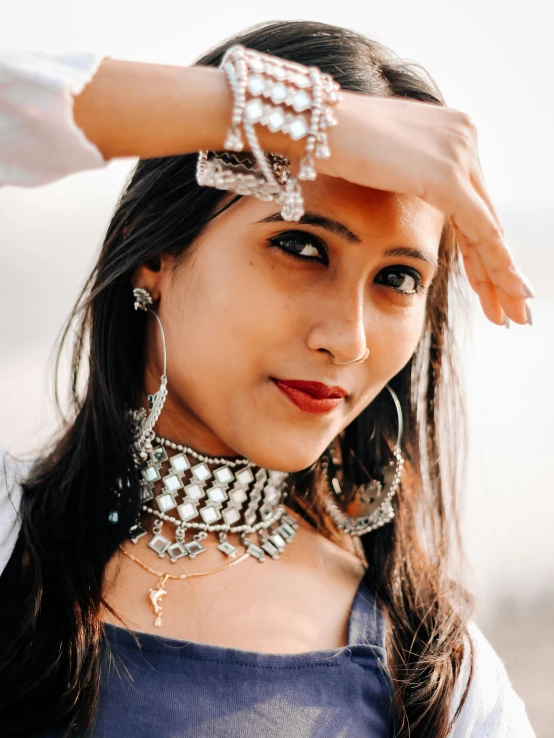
{"points": [[312, 397]]}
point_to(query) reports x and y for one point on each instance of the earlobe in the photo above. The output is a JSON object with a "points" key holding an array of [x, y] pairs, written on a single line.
{"points": [[149, 275]]}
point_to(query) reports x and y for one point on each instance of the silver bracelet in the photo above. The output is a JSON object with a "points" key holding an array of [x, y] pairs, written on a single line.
{"points": [[283, 96]]}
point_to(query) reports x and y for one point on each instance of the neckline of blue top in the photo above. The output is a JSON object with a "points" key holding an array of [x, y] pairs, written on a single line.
{"points": [[366, 630]]}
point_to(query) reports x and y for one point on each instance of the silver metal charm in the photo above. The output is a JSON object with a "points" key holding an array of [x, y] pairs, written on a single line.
{"points": [[142, 423], [370, 507], [159, 544], [225, 547], [143, 299]]}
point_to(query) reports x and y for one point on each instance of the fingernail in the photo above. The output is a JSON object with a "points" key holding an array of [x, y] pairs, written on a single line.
{"points": [[507, 322], [527, 289], [528, 314]]}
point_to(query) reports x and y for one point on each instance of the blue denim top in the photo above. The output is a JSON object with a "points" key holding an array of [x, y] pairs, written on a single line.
{"points": [[159, 687], [152, 686]]}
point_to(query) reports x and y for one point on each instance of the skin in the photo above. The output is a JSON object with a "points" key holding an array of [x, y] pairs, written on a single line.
{"points": [[235, 314], [391, 144], [238, 313]]}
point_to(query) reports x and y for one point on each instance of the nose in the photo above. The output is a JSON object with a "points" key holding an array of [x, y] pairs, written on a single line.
{"points": [[341, 331]]}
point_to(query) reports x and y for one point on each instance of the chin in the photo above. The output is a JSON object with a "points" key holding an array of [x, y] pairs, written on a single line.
{"points": [[288, 457]]}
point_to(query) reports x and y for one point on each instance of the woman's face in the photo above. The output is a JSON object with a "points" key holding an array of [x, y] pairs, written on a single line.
{"points": [[243, 311]]}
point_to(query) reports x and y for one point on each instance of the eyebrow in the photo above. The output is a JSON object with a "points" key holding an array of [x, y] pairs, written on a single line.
{"points": [[339, 229]]}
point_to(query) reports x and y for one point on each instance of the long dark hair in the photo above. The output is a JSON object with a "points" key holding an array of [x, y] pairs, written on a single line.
{"points": [[51, 656]]}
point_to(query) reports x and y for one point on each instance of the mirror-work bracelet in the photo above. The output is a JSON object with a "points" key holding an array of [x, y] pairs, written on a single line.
{"points": [[283, 96]]}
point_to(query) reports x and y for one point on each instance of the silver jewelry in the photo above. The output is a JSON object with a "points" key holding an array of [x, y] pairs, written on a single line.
{"points": [[143, 299], [276, 93], [211, 495], [244, 498], [354, 361], [142, 423], [370, 505]]}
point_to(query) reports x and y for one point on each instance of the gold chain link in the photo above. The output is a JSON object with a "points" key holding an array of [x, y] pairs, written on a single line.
{"points": [[183, 576], [156, 593]]}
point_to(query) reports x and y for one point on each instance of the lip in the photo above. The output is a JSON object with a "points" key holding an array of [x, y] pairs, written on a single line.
{"points": [[316, 389], [311, 397]]}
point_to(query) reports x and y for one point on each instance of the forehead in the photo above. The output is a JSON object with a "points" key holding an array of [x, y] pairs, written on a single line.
{"points": [[381, 219], [375, 214]]}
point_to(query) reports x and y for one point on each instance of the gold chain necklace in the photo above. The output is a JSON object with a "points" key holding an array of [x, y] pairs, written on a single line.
{"points": [[157, 593]]}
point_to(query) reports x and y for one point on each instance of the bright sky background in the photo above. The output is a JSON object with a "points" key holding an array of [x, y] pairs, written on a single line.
{"points": [[491, 59]]}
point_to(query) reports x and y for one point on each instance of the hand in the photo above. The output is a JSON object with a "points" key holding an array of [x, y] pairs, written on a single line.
{"points": [[430, 151]]}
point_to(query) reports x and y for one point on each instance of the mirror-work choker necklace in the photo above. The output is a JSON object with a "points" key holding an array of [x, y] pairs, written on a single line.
{"points": [[204, 495]]}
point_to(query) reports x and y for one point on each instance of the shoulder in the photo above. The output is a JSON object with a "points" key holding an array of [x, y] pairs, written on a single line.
{"points": [[12, 471], [492, 708]]}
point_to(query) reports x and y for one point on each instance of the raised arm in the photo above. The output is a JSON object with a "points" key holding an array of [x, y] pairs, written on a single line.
{"points": [[63, 114], [151, 110], [404, 146]]}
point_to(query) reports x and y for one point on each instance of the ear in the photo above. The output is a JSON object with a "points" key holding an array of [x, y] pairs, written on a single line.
{"points": [[153, 273]]}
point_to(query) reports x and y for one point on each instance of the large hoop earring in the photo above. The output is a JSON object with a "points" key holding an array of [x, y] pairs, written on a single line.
{"points": [[142, 423], [371, 504]]}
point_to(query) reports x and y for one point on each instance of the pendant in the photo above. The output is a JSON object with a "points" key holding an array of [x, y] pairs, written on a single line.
{"points": [[155, 597]]}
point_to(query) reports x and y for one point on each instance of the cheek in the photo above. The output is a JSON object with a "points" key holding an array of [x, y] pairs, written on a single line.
{"points": [[225, 313], [407, 332], [393, 341]]}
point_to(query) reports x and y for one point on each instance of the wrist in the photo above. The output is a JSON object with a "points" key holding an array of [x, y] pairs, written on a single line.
{"points": [[294, 103], [341, 137]]}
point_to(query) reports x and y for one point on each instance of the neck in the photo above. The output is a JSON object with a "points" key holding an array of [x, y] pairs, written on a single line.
{"points": [[181, 425]]}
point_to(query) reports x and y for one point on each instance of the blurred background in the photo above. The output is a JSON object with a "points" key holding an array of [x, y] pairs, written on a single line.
{"points": [[491, 60]]}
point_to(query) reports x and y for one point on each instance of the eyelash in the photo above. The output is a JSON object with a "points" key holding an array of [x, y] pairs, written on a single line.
{"points": [[309, 239]]}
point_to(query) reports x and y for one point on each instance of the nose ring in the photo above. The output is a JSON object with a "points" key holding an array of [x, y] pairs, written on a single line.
{"points": [[354, 361]]}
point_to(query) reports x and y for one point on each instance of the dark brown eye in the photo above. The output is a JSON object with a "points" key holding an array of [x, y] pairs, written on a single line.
{"points": [[402, 279], [300, 245]]}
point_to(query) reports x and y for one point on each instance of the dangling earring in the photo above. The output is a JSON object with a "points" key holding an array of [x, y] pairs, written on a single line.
{"points": [[370, 506], [142, 423]]}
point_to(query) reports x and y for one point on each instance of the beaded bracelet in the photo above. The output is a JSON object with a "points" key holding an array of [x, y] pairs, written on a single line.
{"points": [[283, 96]]}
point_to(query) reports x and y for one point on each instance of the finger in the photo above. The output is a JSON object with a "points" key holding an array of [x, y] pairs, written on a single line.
{"points": [[479, 183], [478, 180], [485, 289], [512, 306], [481, 231], [480, 283]]}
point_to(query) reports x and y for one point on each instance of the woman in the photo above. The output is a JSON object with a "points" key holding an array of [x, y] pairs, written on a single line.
{"points": [[260, 372]]}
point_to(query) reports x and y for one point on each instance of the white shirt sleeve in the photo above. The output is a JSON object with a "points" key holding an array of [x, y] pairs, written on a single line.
{"points": [[11, 474], [39, 139], [492, 708]]}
